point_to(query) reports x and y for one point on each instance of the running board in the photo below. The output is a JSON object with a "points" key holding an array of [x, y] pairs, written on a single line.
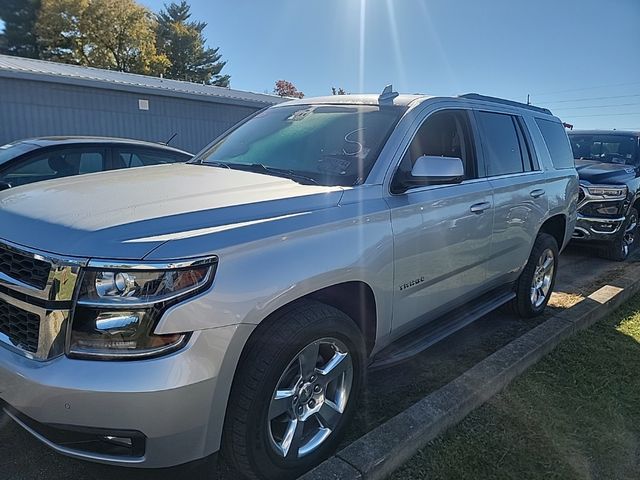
{"points": [[424, 337]]}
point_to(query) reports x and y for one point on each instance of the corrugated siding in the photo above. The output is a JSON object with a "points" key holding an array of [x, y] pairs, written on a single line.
{"points": [[110, 79], [31, 108]]}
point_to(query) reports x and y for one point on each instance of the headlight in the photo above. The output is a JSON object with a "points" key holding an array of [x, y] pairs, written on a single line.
{"points": [[607, 191], [118, 307]]}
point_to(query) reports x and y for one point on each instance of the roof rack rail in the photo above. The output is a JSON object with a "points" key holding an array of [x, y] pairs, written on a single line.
{"points": [[477, 96]]}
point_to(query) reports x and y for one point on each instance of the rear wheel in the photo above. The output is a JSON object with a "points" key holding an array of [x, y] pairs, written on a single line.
{"points": [[625, 241], [294, 392], [536, 282]]}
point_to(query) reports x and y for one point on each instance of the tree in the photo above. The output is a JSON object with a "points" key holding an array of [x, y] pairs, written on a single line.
{"points": [[182, 41], [284, 88], [112, 34], [60, 31], [19, 17], [123, 34], [338, 91]]}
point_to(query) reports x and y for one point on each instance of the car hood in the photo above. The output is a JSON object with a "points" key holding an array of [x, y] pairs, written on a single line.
{"points": [[126, 214], [602, 173]]}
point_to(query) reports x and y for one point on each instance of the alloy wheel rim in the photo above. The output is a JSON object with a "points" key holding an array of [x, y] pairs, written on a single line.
{"points": [[310, 398], [542, 278]]}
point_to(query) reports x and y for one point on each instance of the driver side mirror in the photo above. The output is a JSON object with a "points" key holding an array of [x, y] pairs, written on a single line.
{"points": [[434, 170]]}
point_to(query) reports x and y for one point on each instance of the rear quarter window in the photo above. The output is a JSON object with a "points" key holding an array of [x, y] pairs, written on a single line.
{"points": [[557, 143]]}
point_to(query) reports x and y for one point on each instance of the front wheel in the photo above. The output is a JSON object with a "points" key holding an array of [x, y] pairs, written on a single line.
{"points": [[625, 241], [536, 282], [294, 392]]}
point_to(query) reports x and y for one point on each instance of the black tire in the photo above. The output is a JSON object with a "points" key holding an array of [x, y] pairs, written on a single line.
{"points": [[523, 305], [268, 353], [625, 241]]}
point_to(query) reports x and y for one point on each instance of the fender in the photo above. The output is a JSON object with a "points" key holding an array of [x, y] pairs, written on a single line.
{"points": [[350, 242]]}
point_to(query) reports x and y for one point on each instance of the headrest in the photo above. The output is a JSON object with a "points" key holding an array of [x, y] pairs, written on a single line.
{"points": [[59, 164]]}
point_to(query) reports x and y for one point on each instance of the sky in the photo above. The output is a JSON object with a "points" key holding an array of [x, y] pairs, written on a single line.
{"points": [[577, 57]]}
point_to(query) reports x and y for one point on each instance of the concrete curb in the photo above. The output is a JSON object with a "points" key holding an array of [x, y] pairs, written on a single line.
{"points": [[378, 453]]}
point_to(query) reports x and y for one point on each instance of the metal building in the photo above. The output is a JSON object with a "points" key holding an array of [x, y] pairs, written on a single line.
{"points": [[39, 98]]}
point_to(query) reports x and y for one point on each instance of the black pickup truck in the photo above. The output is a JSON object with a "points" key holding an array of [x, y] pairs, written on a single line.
{"points": [[608, 162]]}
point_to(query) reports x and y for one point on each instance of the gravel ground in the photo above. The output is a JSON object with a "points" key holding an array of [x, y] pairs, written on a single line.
{"points": [[388, 391]]}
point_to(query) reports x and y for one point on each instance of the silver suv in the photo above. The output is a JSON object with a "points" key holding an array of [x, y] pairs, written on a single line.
{"points": [[154, 317]]}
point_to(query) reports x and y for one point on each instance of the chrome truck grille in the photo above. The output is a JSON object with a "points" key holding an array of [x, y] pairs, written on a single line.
{"points": [[24, 268], [36, 295], [22, 328]]}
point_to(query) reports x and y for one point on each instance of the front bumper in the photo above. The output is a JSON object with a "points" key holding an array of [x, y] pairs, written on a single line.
{"points": [[596, 228], [169, 407]]}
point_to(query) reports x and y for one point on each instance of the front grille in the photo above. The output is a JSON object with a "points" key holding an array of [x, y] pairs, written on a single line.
{"points": [[24, 268], [21, 327]]}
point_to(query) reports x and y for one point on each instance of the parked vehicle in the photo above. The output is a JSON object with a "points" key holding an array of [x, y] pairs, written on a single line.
{"points": [[608, 163], [235, 301], [46, 158]]}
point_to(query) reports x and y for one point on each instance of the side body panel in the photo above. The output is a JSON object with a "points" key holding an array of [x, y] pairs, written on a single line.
{"points": [[520, 206], [441, 248], [561, 185], [517, 220]]}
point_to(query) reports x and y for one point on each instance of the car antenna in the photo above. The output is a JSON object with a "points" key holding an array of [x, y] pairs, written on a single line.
{"points": [[171, 138], [387, 95]]}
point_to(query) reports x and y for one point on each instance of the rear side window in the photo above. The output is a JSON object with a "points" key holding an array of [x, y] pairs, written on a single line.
{"points": [[91, 162], [129, 158], [503, 143], [557, 143]]}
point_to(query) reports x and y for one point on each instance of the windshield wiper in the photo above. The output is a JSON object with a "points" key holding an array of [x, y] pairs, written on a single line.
{"points": [[281, 172], [261, 168], [216, 164]]}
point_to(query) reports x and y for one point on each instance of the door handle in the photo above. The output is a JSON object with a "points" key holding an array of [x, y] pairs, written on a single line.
{"points": [[538, 192], [479, 207]]}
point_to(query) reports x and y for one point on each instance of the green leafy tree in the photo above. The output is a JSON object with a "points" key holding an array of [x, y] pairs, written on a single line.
{"points": [[111, 34], [338, 91], [182, 41], [122, 33], [61, 31], [19, 17]]}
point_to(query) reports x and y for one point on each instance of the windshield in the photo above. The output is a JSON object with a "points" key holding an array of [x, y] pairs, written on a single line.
{"points": [[605, 148], [12, 150], [316, 144]]}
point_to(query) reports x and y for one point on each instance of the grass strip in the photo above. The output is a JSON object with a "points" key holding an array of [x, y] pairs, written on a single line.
{"points": [[574, 415]]}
